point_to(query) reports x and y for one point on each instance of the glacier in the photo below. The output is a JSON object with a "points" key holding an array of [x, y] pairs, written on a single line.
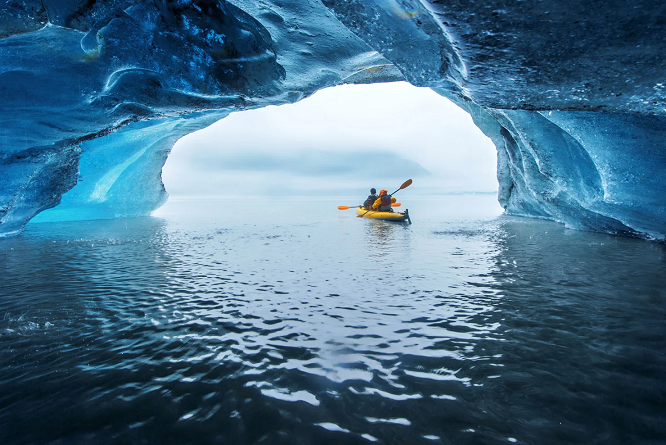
{"points": [[93, 94]]}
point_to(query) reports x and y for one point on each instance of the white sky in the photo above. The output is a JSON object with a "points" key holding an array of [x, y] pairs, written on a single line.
{"points": [[340, 141]]}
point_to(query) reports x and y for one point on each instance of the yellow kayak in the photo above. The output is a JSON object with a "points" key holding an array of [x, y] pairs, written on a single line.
{"points": [[384, 216]]}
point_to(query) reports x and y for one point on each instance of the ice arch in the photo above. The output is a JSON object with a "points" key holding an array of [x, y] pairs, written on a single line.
{"points": [[95, 93]]}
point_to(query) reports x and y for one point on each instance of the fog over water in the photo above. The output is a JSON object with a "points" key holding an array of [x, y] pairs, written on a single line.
{"points": [[341, 140]]}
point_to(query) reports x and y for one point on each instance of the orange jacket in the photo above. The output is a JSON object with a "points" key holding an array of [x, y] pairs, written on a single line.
{"points": [[383, 202]]}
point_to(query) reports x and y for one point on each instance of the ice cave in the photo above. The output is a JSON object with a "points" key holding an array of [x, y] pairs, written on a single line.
{"points": [[94, 94]]}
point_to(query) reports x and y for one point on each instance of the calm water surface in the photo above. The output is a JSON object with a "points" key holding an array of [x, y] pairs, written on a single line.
{"points": [[290, 322]]}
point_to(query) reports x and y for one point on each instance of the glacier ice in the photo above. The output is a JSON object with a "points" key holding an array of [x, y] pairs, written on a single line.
{"points": [[590, 170], [119, 174], [94, 94]]}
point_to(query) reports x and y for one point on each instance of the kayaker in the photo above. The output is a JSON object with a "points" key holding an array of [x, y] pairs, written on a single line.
{"points": [[383, 202], [371, 199]]}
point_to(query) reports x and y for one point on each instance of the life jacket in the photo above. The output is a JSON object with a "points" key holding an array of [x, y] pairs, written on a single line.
{"points": [[385, 204], [371, 200]]}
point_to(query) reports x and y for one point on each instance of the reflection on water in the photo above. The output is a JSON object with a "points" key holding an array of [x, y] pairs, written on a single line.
{"points": [[386, 238], [212, 325]]}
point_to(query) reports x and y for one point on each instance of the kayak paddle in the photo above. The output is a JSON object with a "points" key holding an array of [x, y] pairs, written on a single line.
{"points": [[395, 204], [405, 184]]}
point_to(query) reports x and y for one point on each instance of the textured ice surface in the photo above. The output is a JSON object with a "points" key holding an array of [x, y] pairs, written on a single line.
{"points": [[94, 94], [119, 174], [590, 170]]}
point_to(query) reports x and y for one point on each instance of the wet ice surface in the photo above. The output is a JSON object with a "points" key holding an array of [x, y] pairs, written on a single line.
{"points": [[293, 322]]}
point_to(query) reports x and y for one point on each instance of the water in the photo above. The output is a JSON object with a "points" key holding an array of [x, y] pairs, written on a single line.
{"points": [[291, 322]]}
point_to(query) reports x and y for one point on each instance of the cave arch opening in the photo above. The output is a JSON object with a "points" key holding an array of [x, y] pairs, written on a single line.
{"points": [[337, 143]]}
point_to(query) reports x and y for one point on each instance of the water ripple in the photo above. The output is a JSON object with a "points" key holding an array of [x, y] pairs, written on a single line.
{"points": [[148, 330]]}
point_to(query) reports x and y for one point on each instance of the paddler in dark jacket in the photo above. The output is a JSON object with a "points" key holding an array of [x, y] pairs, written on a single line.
{"points": [[383, 202], [371, 199]]}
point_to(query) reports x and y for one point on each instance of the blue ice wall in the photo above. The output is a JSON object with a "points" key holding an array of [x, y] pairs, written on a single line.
{"points": [[120, 174], [589, 170], [71, 73], [629, 155], [94, 94]]}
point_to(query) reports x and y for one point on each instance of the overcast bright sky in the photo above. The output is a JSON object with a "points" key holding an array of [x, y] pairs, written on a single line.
{"points": [[339, 141]]}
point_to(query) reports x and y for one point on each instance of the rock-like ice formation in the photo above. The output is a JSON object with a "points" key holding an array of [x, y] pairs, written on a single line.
{"points": [[94, 94]]}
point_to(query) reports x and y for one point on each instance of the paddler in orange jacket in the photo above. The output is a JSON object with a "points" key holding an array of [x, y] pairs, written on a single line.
{"points": [[383, 202]]}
